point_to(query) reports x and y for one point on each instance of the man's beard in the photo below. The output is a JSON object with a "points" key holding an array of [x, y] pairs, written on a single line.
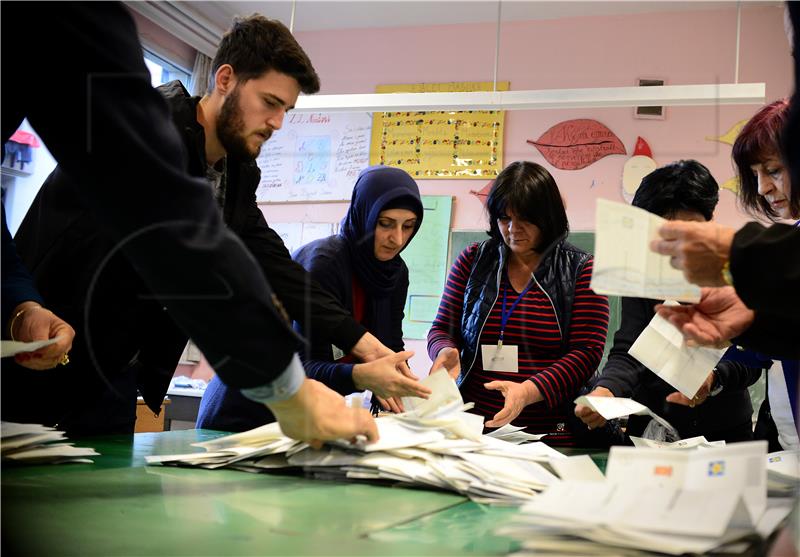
{"points": [[230, 129]]}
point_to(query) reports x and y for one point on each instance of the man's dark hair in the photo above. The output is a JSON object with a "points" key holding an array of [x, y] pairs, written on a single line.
{"points": [[256, 45], [531, 193], [679, 186]]}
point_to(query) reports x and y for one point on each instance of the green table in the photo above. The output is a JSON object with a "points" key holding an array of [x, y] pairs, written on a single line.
{"points": [[119, 506]]}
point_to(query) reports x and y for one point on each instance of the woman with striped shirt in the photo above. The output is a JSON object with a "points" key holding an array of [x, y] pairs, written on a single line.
{"points": [[518, 327]]}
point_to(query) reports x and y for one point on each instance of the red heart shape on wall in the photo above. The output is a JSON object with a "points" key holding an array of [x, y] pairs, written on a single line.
{"points": [[575, 144]]}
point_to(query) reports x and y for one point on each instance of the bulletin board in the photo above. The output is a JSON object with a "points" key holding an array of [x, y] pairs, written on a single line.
{"points": [[314, 157], [434, 145], [298, 234], [460, 239], [426, 258]]}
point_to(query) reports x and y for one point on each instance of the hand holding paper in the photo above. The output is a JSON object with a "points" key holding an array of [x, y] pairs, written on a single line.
{"points": [[31, 322], [662, 349], [616, 407]]}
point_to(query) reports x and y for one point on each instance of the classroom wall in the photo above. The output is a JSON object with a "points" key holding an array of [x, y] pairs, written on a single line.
{"points": [[681, 47]]}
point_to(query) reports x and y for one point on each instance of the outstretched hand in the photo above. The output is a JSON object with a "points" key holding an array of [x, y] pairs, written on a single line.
{"points": [[719, 316], [385, 379], [449, 359], [517, 395]]}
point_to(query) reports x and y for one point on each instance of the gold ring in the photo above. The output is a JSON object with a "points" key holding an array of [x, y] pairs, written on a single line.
{"points": [[64, 359]]}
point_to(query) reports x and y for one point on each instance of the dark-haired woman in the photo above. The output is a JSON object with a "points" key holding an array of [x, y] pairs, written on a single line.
{"points": [[361, 267], [518, 327], [765, 190]]}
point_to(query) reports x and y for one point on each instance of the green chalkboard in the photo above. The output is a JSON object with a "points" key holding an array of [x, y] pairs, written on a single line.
{"points": [[426, 258], [460, 239]]}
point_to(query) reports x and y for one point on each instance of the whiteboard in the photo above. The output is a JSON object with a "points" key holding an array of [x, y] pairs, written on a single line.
{"points": [[314, 157]]}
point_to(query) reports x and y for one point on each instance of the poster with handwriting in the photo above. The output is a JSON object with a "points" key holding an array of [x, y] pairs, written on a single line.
{"points": [[426, 258], [467, 144], [314, 157]]}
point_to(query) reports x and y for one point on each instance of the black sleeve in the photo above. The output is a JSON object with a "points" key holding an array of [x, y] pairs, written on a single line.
{"points": [[318, 359], [774, 335], [736, 375], [621, 374], [111, 132], [791, 134], [161, 344], [18, 284], [301, 294], [765, 265]]}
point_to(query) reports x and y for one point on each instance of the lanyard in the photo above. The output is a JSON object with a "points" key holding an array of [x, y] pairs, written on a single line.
{"points": [[504, 316]]}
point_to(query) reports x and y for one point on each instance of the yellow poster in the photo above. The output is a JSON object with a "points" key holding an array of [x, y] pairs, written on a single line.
{"points": [[466, 144]]}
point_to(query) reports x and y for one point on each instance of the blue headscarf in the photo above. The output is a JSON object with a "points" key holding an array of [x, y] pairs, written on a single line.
{"points": [[377, 188]]}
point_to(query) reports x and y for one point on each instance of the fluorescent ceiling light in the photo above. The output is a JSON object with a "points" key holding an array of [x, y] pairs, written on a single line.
{"points": [[603, 97]]}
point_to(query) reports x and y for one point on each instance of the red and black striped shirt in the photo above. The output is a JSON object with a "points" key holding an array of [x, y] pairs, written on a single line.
{"points": [[533, 328]]}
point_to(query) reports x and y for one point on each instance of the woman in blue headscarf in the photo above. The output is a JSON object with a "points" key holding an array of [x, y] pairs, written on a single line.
{"points": [[361, 267]]}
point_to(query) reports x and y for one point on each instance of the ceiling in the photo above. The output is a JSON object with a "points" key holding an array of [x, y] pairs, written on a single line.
{"points": [[313, 15]]}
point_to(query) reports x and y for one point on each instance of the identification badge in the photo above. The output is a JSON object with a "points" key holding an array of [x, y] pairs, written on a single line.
{"points": [[500, 358], [337, 352]]}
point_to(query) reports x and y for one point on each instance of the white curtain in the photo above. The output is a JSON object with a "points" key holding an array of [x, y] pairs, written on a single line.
{"points": [[201, 72]]}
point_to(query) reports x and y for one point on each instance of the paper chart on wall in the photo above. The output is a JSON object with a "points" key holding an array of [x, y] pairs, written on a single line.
{"points": [[426, 258], [298, 234], [429, 145], [314, 157]]}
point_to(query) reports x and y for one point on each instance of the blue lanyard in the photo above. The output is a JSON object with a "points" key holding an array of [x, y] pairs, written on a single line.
{"points": [[504, 316]]}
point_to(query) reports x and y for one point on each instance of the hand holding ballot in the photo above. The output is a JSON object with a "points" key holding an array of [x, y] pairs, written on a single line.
{"points": [[699, 249], [588, 415], [31, 322], [316, 414], [718, 317], [382, 377]]}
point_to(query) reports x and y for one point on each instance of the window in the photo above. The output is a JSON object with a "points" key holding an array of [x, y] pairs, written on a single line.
{"points": [[162, 71]]}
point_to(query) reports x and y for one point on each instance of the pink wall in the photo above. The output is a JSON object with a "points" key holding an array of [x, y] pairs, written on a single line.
{"points": [[682, 47]]}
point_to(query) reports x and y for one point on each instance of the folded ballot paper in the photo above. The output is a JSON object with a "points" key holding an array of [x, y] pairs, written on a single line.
{"points": [[624, 265], [10, 348], [655, 500], [662, 349], [38, 444], [616, 407], [435, 443]]}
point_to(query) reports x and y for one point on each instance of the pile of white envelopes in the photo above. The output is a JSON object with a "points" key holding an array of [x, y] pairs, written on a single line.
{"points": [[38, 444], [656, 500], [435, 443]]}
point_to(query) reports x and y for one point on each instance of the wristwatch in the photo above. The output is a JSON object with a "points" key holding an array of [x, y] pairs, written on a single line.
{"points": [[716, 385]]}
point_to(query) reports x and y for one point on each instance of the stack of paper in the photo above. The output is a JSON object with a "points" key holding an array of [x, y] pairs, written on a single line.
{"points": [[656, 500], [37, 444], [783, 472], [681, 445], [434, 444]]}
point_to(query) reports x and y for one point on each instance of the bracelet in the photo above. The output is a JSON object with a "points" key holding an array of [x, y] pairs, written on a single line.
{"points": [[16, 316], [726, 273]]}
